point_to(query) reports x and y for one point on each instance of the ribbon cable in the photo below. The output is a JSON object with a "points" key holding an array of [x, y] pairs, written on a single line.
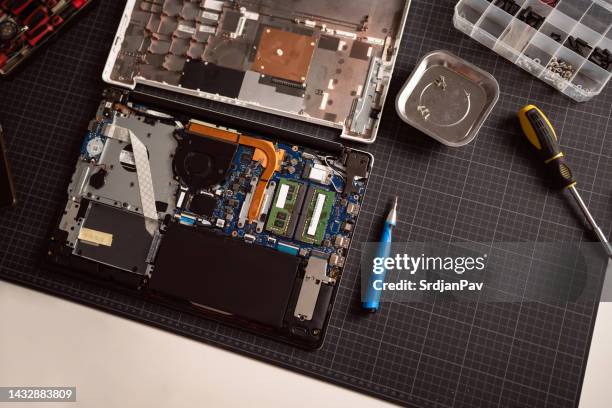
{"points": [[143, 171]]}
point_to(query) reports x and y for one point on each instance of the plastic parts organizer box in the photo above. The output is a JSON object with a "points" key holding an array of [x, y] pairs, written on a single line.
{"points": [[565, 43]]}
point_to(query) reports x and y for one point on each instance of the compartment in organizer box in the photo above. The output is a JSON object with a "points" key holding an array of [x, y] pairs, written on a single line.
{"points": [[565, 43]]}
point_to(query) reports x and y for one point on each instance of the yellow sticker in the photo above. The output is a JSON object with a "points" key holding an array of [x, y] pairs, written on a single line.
{"points": [[95, 237]]}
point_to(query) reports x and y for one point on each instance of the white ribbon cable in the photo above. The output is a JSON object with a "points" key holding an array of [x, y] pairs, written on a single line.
{"points": [[143, 172]]}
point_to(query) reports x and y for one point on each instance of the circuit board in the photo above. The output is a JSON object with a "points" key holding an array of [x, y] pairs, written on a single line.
{"points": [[25, 25], [148, 184], [317, 60], [289, 195], [233, 193], [229, 207]]}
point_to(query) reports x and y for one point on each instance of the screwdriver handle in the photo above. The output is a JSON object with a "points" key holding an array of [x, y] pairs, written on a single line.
{"points": [[541, 134]]}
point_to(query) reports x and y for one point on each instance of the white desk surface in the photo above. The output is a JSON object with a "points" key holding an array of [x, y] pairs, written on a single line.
{"points": [[115, 362]]}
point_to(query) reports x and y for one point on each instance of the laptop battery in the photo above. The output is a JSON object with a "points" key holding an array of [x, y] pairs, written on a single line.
{"points": [[227, 275]]}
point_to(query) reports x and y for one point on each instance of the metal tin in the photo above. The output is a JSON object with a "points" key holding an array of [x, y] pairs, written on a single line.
{"points": [[447, 98]]}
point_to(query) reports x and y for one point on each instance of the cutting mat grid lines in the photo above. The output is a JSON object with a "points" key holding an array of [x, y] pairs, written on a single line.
{"points": [[421, 355]]}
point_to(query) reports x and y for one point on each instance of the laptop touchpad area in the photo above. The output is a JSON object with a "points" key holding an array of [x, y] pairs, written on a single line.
{"points": [[224, 274]]}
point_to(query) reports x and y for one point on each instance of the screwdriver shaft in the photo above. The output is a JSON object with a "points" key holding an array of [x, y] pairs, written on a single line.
{"points": [[600, 235]]}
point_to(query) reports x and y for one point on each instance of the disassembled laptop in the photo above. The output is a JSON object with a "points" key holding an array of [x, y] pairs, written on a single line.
{"points": [[217, 215], [221, 220]]}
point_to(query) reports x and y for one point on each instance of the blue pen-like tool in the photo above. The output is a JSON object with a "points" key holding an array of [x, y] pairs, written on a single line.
{"points": [[371, 301]]}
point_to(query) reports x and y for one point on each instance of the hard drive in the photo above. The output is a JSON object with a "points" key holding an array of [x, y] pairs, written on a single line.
{"points": [[327, 62]]}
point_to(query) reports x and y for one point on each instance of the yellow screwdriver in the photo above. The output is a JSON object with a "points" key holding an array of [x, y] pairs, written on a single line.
{"points": [[542, 136]]}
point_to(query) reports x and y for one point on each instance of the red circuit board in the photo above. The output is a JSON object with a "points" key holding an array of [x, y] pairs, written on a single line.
{"points": [[25, 25]]}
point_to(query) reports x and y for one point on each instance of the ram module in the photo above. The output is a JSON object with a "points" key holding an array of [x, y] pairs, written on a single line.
{"points": [[314, 219], [286, 207]]}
